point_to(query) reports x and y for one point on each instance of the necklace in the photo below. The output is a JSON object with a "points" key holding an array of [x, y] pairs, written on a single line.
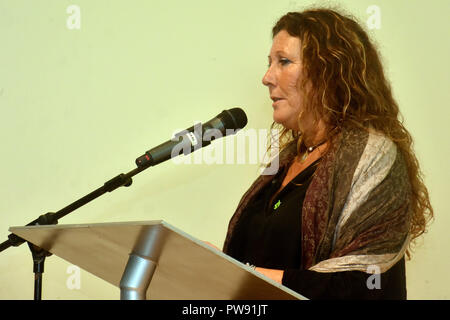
{"points": [[311, 149]]}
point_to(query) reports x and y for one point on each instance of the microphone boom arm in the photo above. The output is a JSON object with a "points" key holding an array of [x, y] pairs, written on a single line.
{"points": [[53, 217]]}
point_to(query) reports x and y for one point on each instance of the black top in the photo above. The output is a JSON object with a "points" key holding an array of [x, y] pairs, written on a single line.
{"points": [[268, 235]]}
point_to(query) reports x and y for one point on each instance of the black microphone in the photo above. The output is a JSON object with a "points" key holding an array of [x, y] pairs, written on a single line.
{"points": [[226, 123]]}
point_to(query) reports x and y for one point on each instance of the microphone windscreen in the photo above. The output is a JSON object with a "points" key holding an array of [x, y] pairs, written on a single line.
{"points": [[234, 118]]}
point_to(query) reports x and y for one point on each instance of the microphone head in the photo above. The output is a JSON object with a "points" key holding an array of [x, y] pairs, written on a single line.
{"points": [[234, 118]]}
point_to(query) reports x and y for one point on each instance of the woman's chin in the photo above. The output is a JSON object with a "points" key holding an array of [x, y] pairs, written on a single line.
{"points": [[286, 124], [278, 119]]}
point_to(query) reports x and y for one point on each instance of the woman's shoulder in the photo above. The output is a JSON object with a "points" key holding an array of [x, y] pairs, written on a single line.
{"points": [[366, 142], [364, 152]]}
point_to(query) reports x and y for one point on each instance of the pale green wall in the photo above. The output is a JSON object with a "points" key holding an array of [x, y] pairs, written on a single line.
{"points": [[78, 106]]}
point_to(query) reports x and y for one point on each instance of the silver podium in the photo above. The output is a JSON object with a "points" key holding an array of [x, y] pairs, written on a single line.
{"points": [[154, 260]]}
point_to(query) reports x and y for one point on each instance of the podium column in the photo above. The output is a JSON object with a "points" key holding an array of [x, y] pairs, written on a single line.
{"points": [[141, 264], [136, 277]]}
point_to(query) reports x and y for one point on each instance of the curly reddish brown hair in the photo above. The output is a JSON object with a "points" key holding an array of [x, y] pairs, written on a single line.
{"points": [[349, 87]]}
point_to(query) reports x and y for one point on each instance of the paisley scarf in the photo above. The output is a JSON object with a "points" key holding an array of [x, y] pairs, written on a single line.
{"points": [[355, 214]]}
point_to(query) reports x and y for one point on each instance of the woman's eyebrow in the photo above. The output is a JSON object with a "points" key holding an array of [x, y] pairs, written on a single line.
{"points": [[279, 53]]}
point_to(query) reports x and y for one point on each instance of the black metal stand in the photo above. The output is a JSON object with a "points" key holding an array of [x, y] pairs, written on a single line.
{"points": [[40, 254]]}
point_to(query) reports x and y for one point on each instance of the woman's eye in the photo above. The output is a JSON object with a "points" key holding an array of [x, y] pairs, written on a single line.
{"points": [[284, 61]]}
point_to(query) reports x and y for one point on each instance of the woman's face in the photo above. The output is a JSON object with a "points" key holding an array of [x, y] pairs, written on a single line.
{"points": [[283, 78]]}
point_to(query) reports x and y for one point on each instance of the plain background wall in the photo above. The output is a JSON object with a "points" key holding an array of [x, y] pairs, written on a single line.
{"points": [[77, 106]]}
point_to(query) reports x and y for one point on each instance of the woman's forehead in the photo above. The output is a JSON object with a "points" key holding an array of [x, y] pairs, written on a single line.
{"points": [[285, 44]]}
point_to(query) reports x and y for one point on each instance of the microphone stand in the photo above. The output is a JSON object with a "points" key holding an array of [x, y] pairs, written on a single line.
{"points": [[49, 218], [233, 119]]}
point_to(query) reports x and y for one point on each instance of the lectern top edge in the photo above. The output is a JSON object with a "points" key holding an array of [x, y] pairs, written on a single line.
{"points": [[95, 224]]}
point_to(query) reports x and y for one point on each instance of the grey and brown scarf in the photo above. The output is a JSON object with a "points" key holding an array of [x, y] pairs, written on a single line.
{"points": [[356, 210]]}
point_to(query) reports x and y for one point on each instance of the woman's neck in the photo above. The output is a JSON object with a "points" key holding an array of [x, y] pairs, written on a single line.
{"points": [[316, 135]]}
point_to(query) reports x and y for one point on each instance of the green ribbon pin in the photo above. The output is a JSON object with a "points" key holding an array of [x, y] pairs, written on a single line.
{"points": [[275, 207]]}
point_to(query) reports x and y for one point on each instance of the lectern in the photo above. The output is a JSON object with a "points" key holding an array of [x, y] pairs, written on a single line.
{"points": [[154, 260]]}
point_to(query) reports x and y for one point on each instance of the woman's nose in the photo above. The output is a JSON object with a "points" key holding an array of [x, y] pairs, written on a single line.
{"points": [[269, 77]]}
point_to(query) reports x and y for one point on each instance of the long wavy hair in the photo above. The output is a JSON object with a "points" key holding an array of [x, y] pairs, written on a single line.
{"points": [[349, 87]]}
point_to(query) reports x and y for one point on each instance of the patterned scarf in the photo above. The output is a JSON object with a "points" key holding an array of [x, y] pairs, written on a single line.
{"points": [[355, 214]]}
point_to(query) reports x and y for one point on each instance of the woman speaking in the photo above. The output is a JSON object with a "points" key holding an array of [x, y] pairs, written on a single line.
{"points": [[348, 199]]}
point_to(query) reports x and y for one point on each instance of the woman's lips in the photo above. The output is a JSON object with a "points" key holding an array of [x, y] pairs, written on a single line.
{"points": [[276, 101]]}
